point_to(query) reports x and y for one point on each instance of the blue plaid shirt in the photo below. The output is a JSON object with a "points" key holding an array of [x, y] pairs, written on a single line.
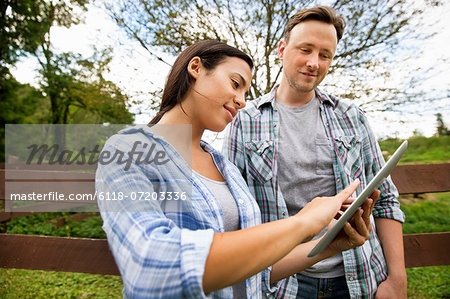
{"points": [[251, 144], [160, 245]]}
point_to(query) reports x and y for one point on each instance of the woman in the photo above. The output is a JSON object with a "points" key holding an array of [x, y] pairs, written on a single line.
{"points": [[184, 223]]}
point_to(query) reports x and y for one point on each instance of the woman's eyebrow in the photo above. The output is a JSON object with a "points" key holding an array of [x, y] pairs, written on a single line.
{"points": [[242, 79]]}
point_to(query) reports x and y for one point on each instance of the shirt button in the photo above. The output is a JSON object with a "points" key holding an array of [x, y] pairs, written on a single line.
{"points": [[351, 279], [284, 213], [241, 201], [338, 180]]}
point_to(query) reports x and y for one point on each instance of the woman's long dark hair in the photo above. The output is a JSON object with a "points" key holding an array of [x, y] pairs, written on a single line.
{"points": [[179, 81]]}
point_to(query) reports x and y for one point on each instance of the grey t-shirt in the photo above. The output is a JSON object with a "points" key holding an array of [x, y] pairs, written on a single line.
{"points": [[230, 211], [223, 195], [305, 168]]}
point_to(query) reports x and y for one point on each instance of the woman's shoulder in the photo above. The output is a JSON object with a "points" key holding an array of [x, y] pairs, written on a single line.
{"points": [[132, 137], [218, 156], [138, 145]]}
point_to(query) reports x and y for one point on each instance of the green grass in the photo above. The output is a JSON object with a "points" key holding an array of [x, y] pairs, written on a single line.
{"points": [[421, 150], [17, 283], [428, 216], [429, 282]]}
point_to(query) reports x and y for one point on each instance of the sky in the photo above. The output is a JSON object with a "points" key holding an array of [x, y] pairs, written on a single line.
{"points": [[136, 72]]}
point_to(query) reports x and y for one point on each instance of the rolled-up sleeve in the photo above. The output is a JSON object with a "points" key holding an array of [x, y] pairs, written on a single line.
{"points": [[267, 288]]}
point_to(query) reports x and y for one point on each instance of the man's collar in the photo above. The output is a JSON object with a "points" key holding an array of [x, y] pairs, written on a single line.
{"points": [[270, 97], [324, 98]]}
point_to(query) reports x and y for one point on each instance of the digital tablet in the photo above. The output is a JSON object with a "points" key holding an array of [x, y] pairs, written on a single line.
{"points": [[373, 184]]}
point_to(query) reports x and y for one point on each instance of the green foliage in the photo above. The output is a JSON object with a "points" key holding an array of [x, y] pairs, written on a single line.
{"points": [[441, 128], [19, 103], [89, 228], [20, 31], [45, 224], [79, 93], [25, 24], [421, 149], [49, 284], [72, 89], [72, 85]]}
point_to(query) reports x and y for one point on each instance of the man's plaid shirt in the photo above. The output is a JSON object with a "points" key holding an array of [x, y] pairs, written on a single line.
{"points": [[251, 143]]}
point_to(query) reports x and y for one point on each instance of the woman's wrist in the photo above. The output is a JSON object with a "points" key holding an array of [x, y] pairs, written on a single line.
{"points": [[328, 252], [303, 228]]}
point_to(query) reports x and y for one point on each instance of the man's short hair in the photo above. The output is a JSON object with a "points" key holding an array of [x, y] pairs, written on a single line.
{"points": [[324, 14]]}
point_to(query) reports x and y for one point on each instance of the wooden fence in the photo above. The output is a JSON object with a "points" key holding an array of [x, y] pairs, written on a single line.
{"points": [[94, 256]]}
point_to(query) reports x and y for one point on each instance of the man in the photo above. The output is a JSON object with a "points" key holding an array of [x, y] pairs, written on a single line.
{"points": [[297, 143]]}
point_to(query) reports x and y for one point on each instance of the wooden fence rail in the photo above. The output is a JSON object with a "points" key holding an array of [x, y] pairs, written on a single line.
{"points": [[94, 256]]}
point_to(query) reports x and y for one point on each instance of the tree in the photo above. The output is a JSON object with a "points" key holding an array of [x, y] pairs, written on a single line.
{"points": [[441, 129], [21, 32], [20, 103], [375, 29], [79, 93], [72, 88]]}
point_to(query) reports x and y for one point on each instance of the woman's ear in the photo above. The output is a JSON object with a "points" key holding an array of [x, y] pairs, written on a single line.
{"points": [[194, 67]]}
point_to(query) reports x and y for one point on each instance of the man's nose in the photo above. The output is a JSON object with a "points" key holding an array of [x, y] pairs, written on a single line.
{"points": [[313, 62]]}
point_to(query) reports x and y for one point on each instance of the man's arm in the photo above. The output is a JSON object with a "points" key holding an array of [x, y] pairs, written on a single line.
{"points": [[388, 222], [390, 234]]}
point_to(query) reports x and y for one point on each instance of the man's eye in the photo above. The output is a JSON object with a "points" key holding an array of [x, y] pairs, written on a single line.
{"points": [[236, 83]]}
